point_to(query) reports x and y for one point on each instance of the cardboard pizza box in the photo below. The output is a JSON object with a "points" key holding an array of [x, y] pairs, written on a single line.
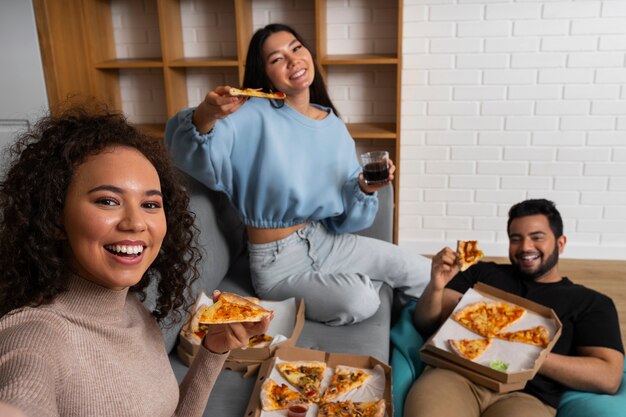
{"points": [[525, 360], [285, 327], [254, 408]]}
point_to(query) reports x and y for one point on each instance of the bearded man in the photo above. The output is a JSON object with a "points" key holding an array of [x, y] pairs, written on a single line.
{"points": [[589, 355]]}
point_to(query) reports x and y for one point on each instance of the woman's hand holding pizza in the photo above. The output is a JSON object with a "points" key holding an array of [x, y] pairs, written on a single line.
{"points": [[371, 188], [444, 267], [217, 104], [223, 337]]}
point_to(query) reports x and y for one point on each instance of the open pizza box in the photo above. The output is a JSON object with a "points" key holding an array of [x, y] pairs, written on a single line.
{"points": [[523, 359], [378, 387], [284, 329]]}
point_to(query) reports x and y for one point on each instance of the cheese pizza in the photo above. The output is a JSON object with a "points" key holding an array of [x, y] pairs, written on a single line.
{"points": [[344, 379], [231, 308], [251, 92], [469, 254], [538, 336], [469, 348], [278, 397], [488, 318], [304, 375], [352, 409]]}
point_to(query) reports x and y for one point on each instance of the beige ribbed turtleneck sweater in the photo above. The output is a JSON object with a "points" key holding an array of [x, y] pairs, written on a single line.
{"points": [[96, 352]]}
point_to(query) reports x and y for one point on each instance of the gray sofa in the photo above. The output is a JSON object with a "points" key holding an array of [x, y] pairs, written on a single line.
{"points": [[225, 267]]}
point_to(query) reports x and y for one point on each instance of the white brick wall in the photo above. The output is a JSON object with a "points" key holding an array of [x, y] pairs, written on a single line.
{"points": [[532, 105], [502, 100]]}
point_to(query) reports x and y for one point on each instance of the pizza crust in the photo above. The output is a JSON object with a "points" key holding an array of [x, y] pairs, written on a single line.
{"points": [[250, 92], [469, 254], [267, 399], [218, 313], [469, 349]]}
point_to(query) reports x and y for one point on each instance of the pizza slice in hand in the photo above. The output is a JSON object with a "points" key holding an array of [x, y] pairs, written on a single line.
{"points": [[345, 379], [469, 348], [538, 336], [469, 254], [251, 92], [231, 308], [279, 397], [304, 375]]}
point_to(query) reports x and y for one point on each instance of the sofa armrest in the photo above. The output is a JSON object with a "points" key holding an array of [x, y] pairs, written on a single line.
{"points": [[382, 228]]}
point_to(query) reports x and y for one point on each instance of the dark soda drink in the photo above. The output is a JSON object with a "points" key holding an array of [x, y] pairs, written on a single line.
{"points": [[376, 172]]}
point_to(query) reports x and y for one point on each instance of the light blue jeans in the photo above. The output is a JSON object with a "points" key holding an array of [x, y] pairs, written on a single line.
{"points": [[337, 275]]}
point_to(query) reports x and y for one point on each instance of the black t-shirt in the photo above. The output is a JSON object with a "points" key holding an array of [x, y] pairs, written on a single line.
{"points": [[589, 318]]}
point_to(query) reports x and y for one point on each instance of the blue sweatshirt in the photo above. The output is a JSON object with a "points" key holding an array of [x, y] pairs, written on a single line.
{"points": [[279, 167]]}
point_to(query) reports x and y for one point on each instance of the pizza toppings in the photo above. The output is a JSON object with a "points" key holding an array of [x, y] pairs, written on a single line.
{"points": [[352, 409], [278, 397], [305, 376], [488, 318], [538, 336], [345, 379], [252, 92], [469, 254], [469, 348], [260, 340], [231, 308]]}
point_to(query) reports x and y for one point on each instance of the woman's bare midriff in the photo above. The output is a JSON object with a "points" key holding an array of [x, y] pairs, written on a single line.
{"points": [[271, 235]]}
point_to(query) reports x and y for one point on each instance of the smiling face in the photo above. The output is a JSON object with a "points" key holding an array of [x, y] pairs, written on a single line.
{"points": [[288, 64], [113, 218], [534, 249]]}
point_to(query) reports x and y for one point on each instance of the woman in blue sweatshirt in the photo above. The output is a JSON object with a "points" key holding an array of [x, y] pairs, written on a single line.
{"points": [[291, 169]]}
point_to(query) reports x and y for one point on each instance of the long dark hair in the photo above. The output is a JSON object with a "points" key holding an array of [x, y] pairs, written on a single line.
{"points": [[256, 77], [32, 197]]}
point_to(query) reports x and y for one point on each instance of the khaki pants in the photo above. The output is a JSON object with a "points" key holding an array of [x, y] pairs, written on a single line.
{"points": [[443, 393]]}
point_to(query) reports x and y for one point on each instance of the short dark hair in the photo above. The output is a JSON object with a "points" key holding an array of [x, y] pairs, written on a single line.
{"points": [[32, 198], [256, 77], [538, 206]]}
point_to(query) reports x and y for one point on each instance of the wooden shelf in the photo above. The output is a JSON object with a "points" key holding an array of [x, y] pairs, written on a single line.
{"points": [[361, 59], [130, 63], [204, 62], [372, 130], [79, 53]]}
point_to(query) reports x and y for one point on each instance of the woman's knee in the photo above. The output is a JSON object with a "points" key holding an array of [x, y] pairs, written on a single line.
{"points": [[353, 305]]}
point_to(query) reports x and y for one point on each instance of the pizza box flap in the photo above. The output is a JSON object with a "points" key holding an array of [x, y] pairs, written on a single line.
{"points": [[435, 360], [535, 355], [331, 359]]}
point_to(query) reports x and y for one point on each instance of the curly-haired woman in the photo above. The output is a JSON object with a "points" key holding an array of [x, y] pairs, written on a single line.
{"points": [[92, 212]]}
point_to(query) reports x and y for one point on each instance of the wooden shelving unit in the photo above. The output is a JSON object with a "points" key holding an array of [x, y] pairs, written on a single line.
{"points": [[79, 57]]}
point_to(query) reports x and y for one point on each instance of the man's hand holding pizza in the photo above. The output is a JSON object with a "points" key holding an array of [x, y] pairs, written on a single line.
{"points": [[229, 335]]}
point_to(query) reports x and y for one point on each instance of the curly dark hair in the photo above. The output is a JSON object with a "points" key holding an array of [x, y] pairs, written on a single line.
{"points": [[32, 196]]}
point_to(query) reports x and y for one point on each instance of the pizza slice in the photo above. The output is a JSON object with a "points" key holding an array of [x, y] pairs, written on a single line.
{"points": [[469, 254], [251, 92], [345, 379], [370, 408], [488, 318], [260, 340], [469, 348], [306, 376], [336, 409], [278, 397], [538, 336], [231, 308]]}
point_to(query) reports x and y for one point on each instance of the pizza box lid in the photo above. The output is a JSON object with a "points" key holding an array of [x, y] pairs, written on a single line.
{"points": [[291, 323], [331, 359], [524, 359]]}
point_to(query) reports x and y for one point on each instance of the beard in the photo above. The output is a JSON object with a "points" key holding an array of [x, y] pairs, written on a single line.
{"points": [[545, 267]]}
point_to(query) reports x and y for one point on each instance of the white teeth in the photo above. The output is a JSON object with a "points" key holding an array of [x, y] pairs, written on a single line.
{"points": [[298, 74], [529, 257], [129, 250]]}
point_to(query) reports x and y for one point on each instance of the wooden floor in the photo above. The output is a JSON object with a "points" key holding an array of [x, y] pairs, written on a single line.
{"points": [[607, 277]]}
